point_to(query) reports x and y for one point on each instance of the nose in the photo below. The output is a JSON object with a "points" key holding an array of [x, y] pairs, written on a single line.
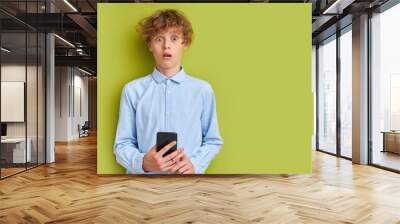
{"points": [[167, 44]]}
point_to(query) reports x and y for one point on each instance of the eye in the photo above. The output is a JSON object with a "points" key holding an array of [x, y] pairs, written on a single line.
{"points": [[174, 38], [158, 39]]}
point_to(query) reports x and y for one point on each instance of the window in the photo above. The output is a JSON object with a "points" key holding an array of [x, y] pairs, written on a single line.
{"points": [[346, 93], [327, 95], [385, 88]]}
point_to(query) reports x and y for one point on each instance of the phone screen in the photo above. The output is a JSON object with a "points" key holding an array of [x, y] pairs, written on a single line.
{"points": [[164, 138]]}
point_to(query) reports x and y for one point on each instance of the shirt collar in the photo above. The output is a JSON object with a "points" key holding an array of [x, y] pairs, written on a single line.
{"points": [[178, 77]]}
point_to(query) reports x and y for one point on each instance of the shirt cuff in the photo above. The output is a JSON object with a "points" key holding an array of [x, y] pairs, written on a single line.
{"points": [[138, 163]]}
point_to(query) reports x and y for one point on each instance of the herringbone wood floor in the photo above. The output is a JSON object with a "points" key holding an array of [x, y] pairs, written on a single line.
{"points": [[69, 191]]}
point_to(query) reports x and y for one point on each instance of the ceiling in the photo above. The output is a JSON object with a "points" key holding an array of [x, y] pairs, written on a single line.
{"points": [[76, 22]]}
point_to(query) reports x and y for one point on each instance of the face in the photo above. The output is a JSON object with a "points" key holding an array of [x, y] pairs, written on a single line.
{"points": [[167, 49]]}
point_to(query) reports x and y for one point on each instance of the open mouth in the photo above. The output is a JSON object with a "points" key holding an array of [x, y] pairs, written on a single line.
{"points": [[167, 56]]}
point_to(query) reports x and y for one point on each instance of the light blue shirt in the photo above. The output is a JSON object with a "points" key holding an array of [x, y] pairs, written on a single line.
{"points": [[155, 103]]}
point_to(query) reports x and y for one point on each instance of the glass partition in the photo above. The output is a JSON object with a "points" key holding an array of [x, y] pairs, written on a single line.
{"points": [[22, 88], [327, 95]]}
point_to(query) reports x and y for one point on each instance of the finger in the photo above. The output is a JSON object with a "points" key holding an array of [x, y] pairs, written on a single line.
{"points": [[152, 151], [184, 168], [179, 165], [173, 155], [182, 156], [153, 148], [168, 168], [188, 171], [171, 169], [167, 164], [166, 148]]}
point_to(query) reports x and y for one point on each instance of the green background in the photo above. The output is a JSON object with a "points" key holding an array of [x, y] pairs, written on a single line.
{"points": [[256, 56]]}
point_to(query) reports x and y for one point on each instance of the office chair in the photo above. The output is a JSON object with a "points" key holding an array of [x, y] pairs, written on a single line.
{"points": [[84, 130]]}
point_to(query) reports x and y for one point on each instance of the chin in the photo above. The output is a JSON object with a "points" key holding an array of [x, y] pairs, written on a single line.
{"points": [[167, 65]]}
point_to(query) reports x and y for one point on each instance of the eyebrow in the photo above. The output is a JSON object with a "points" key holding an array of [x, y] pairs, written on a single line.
{"points": [[173, 33]]}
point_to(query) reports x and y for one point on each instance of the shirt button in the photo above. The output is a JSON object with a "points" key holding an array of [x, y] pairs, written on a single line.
{"points": [[168, 92]]}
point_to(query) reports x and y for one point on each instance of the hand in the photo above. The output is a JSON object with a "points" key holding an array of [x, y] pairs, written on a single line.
{"points": [[154, 161], [183, 165]]}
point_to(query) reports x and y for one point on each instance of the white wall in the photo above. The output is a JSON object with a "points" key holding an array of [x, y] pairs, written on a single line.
{"points": [[62, 80], [71, 94], [81, 102]]}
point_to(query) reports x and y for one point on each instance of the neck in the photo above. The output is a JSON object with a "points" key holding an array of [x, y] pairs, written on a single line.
{"points": [[169, 72]]}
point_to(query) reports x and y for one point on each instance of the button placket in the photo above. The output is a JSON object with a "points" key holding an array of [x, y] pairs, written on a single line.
{"points": [[167, 87]]}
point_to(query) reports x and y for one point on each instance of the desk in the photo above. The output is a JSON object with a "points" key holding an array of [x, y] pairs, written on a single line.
{"points": [[391, 141], [13, 150]]}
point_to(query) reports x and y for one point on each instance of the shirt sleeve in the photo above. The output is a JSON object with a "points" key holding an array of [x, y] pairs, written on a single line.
{"points": [[211, 139], [126, 148]]}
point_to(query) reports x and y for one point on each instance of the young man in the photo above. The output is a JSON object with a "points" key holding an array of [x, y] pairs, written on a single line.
{"points": [[168, 100]]}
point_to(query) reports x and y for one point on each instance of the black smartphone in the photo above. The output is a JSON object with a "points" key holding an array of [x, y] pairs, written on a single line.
{"points": [[164, 138]]}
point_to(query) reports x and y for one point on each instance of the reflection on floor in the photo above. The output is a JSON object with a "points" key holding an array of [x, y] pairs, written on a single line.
{"points": [[11, 169], [387, 159], [347, 152]]}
